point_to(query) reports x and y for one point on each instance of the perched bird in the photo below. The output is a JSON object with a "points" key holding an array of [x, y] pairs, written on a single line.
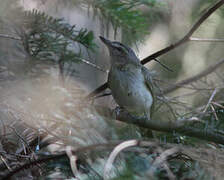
{"points": [[129, 81]]}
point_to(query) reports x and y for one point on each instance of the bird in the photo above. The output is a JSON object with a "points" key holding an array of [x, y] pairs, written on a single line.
{"points": [[129, 81]]}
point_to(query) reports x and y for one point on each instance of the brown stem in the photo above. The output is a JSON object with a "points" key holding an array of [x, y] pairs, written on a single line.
{"points": [[183, 127]]}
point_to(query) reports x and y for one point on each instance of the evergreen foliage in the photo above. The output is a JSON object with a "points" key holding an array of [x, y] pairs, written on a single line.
{"points": [[122, 14], [48, 38], [125, 16], [53, 39]]}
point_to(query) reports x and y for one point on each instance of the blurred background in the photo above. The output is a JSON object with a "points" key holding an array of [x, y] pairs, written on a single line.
{"points": [[50, 56]]}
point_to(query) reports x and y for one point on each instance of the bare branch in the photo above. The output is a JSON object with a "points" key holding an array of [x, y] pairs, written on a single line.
{"points": [[92, 65], [5, 163], [114, 154], [120, 147], [33, 162], [194, 78], [213, 111], [73, 160], [217, 104], [10, 37], [206, 39], [210, 100], [161, 159], [163, 65]]}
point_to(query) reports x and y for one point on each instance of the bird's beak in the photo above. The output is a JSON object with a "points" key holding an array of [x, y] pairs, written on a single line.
{"points": [[105, 41]]}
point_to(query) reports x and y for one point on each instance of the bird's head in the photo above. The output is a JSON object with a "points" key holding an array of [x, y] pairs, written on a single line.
{"points": [[119, 53]]}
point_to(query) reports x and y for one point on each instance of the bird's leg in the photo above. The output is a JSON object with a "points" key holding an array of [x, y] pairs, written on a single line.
{"points": [[141, 116], [117, 110], [145, 132]]}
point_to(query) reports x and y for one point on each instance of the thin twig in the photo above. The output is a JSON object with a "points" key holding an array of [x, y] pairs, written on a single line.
{"points": [[206, 39], [163, 162], [161, 159], [10, 37], [114, 154], [213, 111], [210, 100], [194, 78], [217, 104], [6, 164], [22, 139], [163, 65], [92, 64], [164, 156], [73, 161], [170, 174], [120, 147]]}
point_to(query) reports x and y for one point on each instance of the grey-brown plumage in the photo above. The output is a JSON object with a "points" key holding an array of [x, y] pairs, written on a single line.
{"points": [[130, 82]]}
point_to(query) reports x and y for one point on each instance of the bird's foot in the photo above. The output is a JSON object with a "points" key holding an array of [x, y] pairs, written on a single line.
{"points": [[140, 117], [120, 111], [117, 110]]}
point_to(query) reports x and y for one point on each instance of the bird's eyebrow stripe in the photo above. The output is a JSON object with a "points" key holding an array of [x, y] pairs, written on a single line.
{"points": [[118, 44]]}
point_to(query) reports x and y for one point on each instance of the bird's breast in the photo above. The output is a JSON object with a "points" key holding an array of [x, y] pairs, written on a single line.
{"points": [[129, 89]]}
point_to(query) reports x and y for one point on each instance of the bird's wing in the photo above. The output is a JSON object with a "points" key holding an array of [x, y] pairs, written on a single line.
{"points": [[149, 84], [97, 91], [148, 78]]}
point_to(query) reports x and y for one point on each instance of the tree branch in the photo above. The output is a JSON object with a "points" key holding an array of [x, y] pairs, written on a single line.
{"points": [[183, 127], [185, 39]]}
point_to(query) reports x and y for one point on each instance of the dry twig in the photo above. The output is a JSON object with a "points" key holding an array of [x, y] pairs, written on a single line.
{"points": [[206, 39], [194, 78], [10, 37], [210, 100], [114, 154]]}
